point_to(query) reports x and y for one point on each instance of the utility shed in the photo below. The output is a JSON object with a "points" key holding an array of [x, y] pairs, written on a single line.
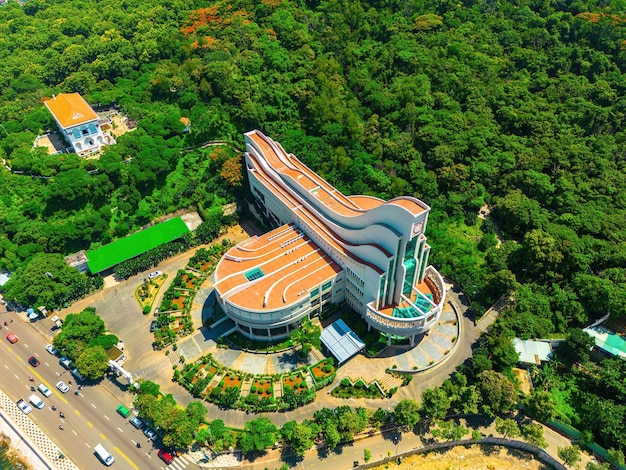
{"points": [[341, 341], [608, 341], [532, 352]]}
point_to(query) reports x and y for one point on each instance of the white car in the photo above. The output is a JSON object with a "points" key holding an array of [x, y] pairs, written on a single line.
{"points": [[52, 350], [154, 274], [45, 391], [25, 407], [63, 387]]}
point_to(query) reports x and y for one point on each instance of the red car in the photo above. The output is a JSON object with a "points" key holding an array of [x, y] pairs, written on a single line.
{"points": [[166, 456], [12, 338], [33, 361]]}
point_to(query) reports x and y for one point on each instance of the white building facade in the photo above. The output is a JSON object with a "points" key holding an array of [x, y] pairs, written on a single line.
{"points": [[377, 249], [79, 124]]}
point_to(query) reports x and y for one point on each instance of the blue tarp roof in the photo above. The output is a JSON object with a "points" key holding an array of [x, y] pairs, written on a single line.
{"points": [[341, 341]]}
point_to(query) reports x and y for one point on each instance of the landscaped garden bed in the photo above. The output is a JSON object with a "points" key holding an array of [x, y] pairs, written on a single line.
{"points": [[147, 292], [323, 372], [294, 382], [197, 376], [262, 387], [357, 390]]}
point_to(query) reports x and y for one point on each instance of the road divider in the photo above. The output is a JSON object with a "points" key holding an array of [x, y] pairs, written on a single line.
{"points": [[126, 458]]}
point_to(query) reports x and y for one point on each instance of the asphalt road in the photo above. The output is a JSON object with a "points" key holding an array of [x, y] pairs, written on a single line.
{"points": [[90, 417]]}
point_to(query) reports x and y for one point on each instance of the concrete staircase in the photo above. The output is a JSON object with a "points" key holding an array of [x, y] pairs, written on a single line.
{"points": [[389, 381]]}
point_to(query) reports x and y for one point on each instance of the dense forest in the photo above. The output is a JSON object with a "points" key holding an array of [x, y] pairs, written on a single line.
{"points": [[518, 106]]}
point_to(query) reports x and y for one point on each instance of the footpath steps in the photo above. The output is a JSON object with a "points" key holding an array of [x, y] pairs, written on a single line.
{"points": [[389, 381]]}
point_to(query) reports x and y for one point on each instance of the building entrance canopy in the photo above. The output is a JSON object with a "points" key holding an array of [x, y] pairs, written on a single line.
{"points": [[341, 341]]}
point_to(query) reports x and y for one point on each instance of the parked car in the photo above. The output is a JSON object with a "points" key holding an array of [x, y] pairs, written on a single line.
{"points": [[65, 362], [33, 316], [52, 350], [150, 433], [12, 338], [156, 312], [152, 326], [154, 274], [136, 421], [33, 361], [45, 391], [166, 456], [121, 409], [25, 407], [78, 375], [62, 386]]}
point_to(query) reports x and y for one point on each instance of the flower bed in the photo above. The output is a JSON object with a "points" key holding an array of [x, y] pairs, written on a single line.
{"points": [[294, 382], [231, 380], [178, 302], [262, 387], [323, 369]]}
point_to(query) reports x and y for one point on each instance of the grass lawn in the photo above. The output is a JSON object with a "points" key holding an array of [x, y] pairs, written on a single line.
{"points": [[135, 244], [245, 343]]}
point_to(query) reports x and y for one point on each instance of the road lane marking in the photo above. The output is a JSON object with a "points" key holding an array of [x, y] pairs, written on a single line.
{"points": [[37, 354], [108, 419], [17, 377], [87, 445], [90, 424], [25, 344], [93, 405], [126, 458], [6, 367], [148, 455], [75, 433], [77, 412], [43, 381], [103, 436], [120, 429]]}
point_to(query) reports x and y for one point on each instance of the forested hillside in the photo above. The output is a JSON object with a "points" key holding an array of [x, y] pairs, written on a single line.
{"points": [[516, 104]]}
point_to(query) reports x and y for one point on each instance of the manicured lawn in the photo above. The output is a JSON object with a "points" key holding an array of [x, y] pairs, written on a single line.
{"points": [[252, 345], [136, 244]]}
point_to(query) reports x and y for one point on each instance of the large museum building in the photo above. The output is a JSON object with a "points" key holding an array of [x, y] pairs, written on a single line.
{"points": [[327, 248]]}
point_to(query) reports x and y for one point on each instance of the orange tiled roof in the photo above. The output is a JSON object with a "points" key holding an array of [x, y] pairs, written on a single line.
{"points": [[70, 109], [289, 166], [291, 264]]}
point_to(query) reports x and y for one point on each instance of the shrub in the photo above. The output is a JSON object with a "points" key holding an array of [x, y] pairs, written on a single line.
{"points": [[146, 309], [253, 389], [287, 388]]}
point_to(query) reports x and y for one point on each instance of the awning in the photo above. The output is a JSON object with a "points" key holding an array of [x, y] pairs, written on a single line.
{"points": [[341, 341]]}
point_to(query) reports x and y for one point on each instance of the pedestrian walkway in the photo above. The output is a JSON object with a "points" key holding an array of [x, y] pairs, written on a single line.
{"points": [[43, 451]]}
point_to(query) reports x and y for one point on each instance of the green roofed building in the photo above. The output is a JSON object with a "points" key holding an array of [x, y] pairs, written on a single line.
{"points": [[136, 244]]}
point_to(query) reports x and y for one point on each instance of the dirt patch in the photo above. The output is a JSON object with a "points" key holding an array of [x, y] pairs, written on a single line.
{"points": [[524, 380], [474, 457], [231, 380], [121, 125]]}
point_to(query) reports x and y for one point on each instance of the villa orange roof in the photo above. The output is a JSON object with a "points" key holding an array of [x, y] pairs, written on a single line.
{"points": [[70, 109], [288, 264]]}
